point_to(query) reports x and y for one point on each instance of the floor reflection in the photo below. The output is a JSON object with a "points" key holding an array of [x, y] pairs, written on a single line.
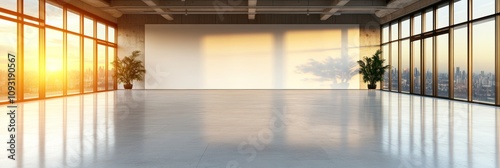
{"points": [[205, 128]]}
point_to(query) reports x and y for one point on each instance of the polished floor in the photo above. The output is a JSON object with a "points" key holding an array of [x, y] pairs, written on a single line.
{"points": [[252, 128]]}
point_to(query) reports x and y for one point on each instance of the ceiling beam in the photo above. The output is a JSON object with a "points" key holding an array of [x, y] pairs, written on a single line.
{"points": [[154, 5], [251, 9], [393, 6], [328, 12], [104, 4]]}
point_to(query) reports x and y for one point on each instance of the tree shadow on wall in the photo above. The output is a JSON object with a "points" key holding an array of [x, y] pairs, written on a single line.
{"points": [[337, 70]]}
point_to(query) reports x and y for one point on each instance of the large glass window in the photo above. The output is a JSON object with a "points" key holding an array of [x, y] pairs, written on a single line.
{"points": [[111, 34], [405, 65], [394, 31], [460, 11], [443, 16], [9, 4], [101, 67], [428, 66], [394, 66], [417, 24], [53, 63], [442, 64], [8, 45], [88, 27], [482, 8], [73, 21], [31, 62], [385, 34], [483, 59], [88, 57], [429, 20], [31, 7], [405, 28], [53, 15], [385, 55], [101, 31], [74, 64], [111, 67], [460, 61], [416, 67]]}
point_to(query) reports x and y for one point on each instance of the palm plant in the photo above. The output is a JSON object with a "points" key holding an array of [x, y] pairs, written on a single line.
{"points": [[372, 69], [129, 69]]}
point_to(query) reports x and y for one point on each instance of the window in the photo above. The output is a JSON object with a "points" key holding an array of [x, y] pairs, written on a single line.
{"points": [[73, 21], [429, 20], [460, 61], [385, 34], [101, 31], [405, 28], [385, 55], [111, 34], [8, 45], [9, 4], [482, 8], [443, 16], [417, 24], [405, 66], [31, 62], [483, 59], [428, 66], [101, 67], [74, 64], [111, 68], [31, 7], [88, 57], [88, 27], [394, 66], [442, 65], [53, 63], [460, 11], [416, 67], [394, 31], [53, 15]]}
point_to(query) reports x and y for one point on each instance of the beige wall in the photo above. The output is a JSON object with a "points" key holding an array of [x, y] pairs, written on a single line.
{"points": [[131, 29]]}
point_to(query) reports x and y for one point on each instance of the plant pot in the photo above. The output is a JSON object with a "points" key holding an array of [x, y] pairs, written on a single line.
{"points": [[128, 86], [372, 86]]}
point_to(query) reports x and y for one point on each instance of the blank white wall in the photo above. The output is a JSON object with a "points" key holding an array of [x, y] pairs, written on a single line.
{"points": [[251, 56]]}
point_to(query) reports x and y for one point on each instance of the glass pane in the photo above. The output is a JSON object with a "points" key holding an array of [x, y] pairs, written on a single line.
{"points": [[53, 62], [31, 62], [101, 31], [443, 16], [74, 64], [385, 55], [416, 67], [460, 61], [31, 7], [88, 54], [111, 68], [101, 67], [460, 11], [417, 24], [405, 28], [8, 45], [428, 56], [405, 65], [111, 34], [53, 15], [442, 57], [9, 4], [429, 20], [482, 8], [394, 31], [483, 59], [394, 66], [385, 34], [73, 22], [88, 27]]}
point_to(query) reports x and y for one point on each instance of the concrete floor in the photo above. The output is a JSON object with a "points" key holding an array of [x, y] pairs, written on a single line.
{"points": [[252, 128]]}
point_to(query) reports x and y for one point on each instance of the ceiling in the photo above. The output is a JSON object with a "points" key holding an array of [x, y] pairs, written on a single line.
{"points": [[323, 8]]}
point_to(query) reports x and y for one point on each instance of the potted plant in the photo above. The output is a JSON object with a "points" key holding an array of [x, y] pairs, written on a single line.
{"points": [[129, 69], [372, 69]]}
